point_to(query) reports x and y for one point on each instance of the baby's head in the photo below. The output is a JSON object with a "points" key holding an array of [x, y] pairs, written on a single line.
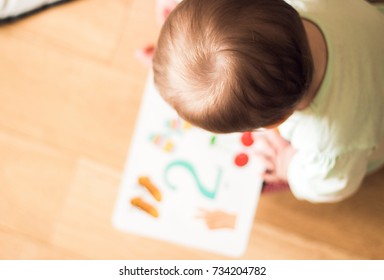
{"points": [[233, 65]]}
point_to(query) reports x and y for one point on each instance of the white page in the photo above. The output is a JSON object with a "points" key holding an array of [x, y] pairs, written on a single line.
{"points": [[196, 174]]}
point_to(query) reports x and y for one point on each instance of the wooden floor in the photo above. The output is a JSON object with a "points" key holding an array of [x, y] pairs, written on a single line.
{"points": [[70, 90]]}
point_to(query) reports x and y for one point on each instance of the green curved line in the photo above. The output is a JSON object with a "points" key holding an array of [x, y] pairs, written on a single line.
{"points": [[186, 165]]}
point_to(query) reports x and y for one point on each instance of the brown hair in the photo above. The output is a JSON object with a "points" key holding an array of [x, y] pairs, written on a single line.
{"points": [[233, 65]]}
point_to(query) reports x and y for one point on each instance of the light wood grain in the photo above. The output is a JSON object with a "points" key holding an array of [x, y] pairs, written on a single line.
{"points": [[70, 90]]}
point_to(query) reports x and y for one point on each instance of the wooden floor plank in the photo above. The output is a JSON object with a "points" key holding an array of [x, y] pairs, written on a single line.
{"points": [[355, 225], [17, 246], [33, 184]]}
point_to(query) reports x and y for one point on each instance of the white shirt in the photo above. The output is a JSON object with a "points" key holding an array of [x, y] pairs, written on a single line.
{"points": [[340, 136]]}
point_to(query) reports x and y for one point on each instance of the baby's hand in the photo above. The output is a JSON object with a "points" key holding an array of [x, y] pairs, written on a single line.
{"points": [[275, 153]]}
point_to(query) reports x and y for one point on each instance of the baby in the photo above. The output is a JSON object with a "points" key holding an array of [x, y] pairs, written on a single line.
{"points": [[314, 69]]}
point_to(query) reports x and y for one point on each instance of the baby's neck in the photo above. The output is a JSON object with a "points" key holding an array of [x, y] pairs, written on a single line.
{"points": [[319, 53]]}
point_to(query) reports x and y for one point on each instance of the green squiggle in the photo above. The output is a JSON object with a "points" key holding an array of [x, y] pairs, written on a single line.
{"points": [[189, 167]]}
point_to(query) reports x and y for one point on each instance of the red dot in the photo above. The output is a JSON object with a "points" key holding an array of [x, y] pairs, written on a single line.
{"points": [[149, 49], [241, 159], [247, 139]]}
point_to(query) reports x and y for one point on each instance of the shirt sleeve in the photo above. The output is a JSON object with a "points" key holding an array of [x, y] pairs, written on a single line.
{"points": [[326, 178]]}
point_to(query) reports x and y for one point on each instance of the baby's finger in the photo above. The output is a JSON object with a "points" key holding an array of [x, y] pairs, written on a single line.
{"points": [[276, 140], [262, 145], [270, 177], [266, 161]]}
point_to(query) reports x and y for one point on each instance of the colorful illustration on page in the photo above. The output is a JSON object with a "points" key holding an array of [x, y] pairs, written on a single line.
{"points": [[186, 185]]}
